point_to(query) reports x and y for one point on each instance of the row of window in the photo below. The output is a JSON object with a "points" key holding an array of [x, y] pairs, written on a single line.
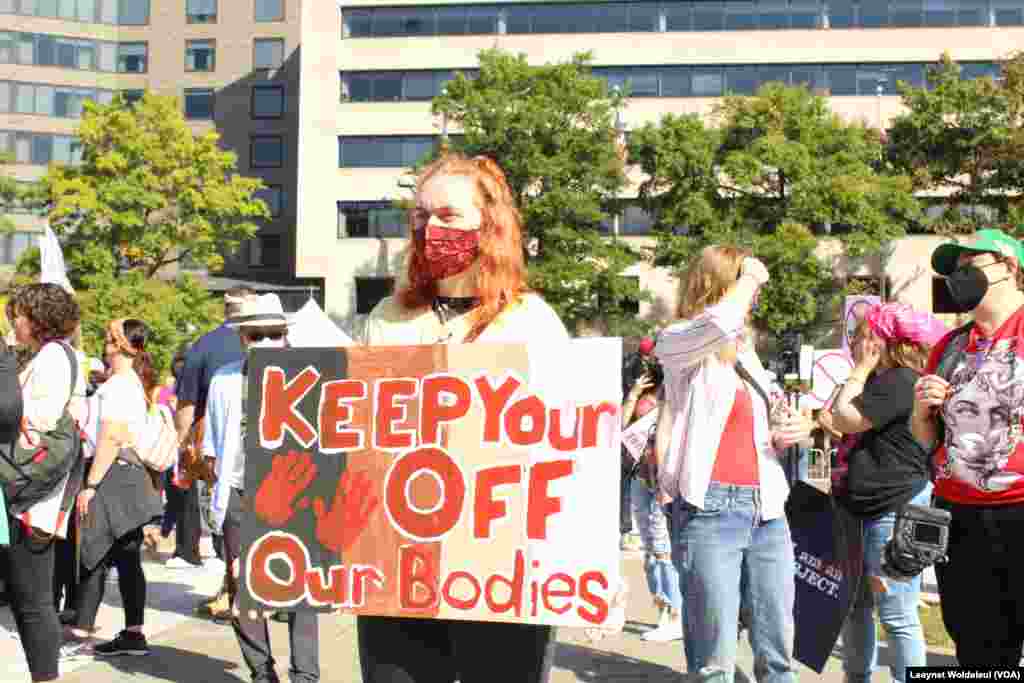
{"points": [[384, 219], [678, 81], [85, 54], [40, 49], [267, 101], [40, 148], [205, 11], [116, 12], [698, 15], [49, 100]]}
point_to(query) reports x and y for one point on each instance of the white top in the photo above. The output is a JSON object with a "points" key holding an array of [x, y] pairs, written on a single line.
{"points": [[224, 438], [700, 390], [120, 399], [46, 387], [530, 319]]}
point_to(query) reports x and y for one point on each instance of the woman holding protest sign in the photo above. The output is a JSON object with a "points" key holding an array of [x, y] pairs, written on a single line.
{"points": [[723, 473], [885, 469], [465, 282], [119, 497]]}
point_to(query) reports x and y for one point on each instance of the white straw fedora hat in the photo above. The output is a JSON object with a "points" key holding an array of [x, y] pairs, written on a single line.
{"points": [[260, 311]]}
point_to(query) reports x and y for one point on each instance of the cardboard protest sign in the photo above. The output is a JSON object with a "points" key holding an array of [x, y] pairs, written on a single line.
{"points": [[827, 545], [636, 438], [458, 482]]}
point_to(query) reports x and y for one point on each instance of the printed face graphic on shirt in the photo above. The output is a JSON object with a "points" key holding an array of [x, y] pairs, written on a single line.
{"points": [[982, 416]]}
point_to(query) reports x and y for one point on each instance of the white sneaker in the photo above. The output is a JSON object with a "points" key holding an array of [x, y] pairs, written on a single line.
{"points": [[73, 649], [214, 564], [179, 563], [671, 630]]}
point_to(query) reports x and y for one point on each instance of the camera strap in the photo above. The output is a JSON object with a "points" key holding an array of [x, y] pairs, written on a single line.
{"points": [[749, 379]]}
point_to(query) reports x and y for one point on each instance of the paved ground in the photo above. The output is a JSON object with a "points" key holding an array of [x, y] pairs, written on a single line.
{"points": [[199, 651]]}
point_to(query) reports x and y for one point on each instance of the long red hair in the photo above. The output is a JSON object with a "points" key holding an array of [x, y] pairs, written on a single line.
{"points": [[502, 275]]}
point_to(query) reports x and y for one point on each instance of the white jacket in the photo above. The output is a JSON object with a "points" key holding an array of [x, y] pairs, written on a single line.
{"points": [[700, 390]]}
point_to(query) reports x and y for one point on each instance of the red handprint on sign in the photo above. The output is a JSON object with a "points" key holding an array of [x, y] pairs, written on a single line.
{"points": [[289, 476], [338, 528]]}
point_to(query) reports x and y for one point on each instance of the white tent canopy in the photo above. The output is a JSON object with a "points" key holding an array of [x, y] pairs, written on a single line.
{"points": [[310, 326]]}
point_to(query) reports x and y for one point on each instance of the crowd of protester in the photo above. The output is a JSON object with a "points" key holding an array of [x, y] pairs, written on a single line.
{"points": [[928, 417]]}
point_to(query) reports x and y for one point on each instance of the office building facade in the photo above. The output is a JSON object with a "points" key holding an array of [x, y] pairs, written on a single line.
{"points": [[330, 103]]}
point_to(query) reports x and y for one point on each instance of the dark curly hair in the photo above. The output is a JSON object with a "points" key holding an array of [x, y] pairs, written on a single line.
{"points": [[51, 311]]}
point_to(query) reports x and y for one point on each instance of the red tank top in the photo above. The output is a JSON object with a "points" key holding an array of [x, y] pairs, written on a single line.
{"points": [[736, 460]]}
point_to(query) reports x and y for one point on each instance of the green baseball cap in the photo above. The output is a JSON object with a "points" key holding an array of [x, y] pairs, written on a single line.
{"points": [[944, 258]]}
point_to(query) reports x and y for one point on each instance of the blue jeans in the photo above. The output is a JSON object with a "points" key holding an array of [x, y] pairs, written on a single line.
{"points": [[662, 577], [720, 551], [897, 610]]}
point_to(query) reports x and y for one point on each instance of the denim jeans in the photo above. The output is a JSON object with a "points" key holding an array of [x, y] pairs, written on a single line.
{"points": [[662, 577], [897, 610], [721, 551]]}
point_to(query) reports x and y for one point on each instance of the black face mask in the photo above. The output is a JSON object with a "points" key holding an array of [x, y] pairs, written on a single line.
{"points": [[968, 286]]}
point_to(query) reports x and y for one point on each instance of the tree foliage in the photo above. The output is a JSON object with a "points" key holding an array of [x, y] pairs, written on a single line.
{"points": [[762, 173], [552, 130], [963, 139], [10, 194], [176, 312], [148, 192]]}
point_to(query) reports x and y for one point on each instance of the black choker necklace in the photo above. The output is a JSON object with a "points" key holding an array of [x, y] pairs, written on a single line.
{"points": [[448, 307]]}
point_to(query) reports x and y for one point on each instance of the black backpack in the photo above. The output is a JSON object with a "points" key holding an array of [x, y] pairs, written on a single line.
{"points": [[29, 475]]}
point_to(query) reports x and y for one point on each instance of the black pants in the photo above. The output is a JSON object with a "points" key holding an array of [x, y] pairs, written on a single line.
{"points": [[232, 537], [126, 556], [980, 587], [64, 575], [175, 499], [27, 565], [401, 650], [189, 526]]}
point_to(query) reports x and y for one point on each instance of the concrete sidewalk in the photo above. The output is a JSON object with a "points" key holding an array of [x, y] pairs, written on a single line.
{"points": [[199, 651]]}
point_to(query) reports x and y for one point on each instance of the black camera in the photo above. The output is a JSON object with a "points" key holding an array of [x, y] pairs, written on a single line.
{"points": [[919, 540], [636, 364]]}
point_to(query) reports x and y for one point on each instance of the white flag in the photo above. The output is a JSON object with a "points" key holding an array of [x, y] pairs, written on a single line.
{"points": [[51, 261]]}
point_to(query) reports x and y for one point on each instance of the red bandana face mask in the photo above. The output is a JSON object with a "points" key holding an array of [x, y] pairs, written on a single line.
{"points": [[448, 251]]}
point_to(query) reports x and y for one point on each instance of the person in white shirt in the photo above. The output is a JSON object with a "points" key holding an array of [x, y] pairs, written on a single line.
{"points": [[723, 474], [261, 324]]}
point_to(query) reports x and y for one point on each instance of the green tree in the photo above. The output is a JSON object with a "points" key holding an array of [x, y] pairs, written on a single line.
{"points": [[176, 312], [962, 139], [761, 174], [148, 192], [552, 130], [10, 194]]}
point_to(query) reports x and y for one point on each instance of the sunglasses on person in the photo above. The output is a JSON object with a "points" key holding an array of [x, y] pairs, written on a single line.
{"points": [[257, 337]]}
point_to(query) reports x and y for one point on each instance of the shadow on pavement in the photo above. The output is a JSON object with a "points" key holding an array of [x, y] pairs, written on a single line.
{"points": [[592, 665], [164, 664]]}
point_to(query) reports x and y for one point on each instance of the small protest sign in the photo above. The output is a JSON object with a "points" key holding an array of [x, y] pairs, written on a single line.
{"points": [[854, 308], [449, 481], [638, 435], [827, 546]]}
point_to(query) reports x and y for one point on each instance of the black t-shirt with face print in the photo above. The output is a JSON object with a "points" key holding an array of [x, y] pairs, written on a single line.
{"points": [[887, 467]]}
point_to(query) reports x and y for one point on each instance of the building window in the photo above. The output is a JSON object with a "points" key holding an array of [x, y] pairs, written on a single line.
{"points": [[199, 103], [273, 197], [14, 244], [201, 11], [265, 251], [132, 58], [267, 101], [130, 97], [384, 151], [371, 219], [267, 53], [269, 10], [370, 291], [200, 55], [266, 151], [130, 12], [40, 148], [48, 100], [393, 86]]}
